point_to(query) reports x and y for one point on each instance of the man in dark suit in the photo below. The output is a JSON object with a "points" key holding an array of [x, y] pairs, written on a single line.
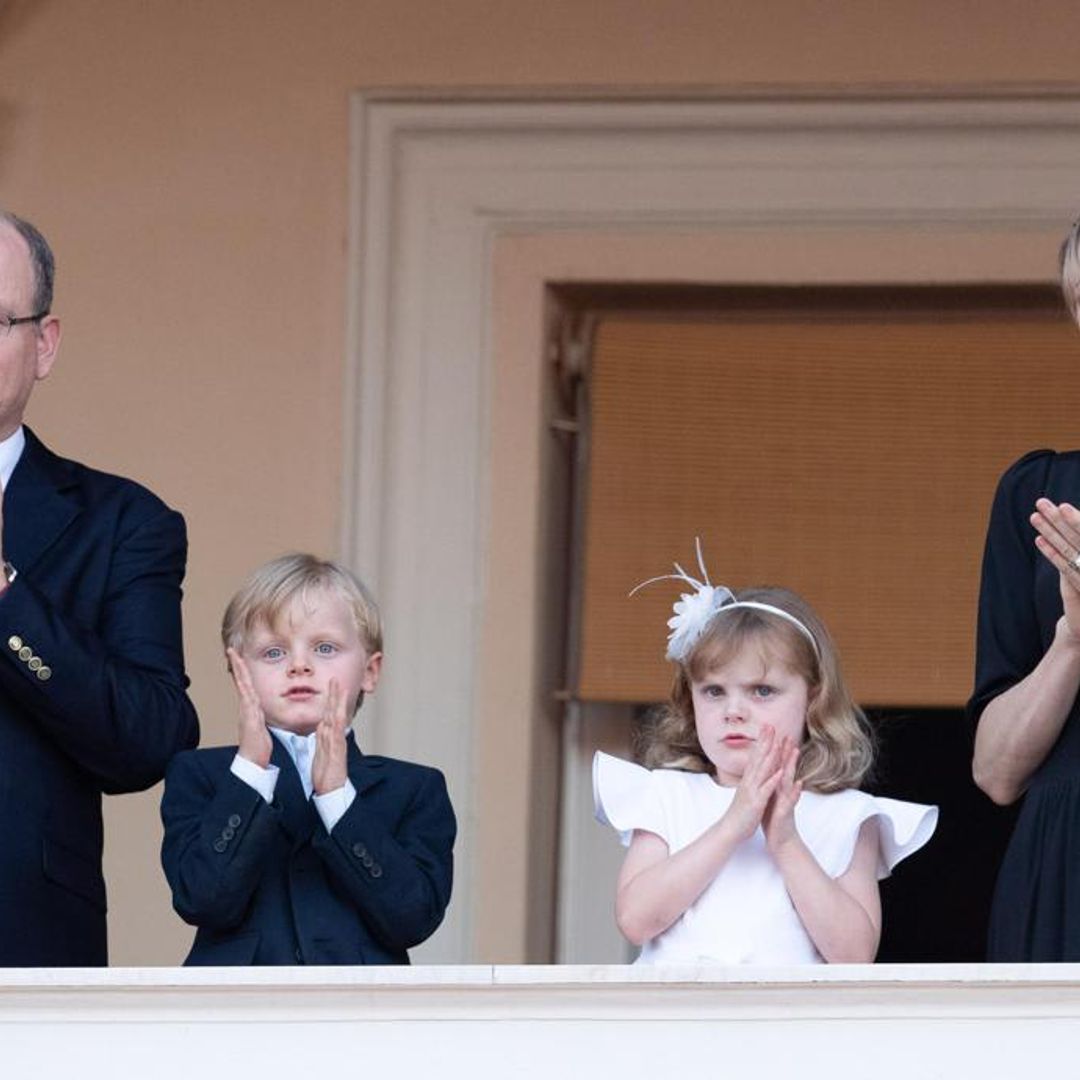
{"points": [[92, 686]]}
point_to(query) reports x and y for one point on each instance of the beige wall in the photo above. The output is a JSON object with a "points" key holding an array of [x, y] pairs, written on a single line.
{"points": [[189, 163]]}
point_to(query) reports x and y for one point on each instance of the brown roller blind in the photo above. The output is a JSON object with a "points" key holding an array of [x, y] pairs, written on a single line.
{"points": [[851, 458]]}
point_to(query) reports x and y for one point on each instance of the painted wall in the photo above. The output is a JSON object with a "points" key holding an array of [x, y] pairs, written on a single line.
{"points": [[189, 163]]}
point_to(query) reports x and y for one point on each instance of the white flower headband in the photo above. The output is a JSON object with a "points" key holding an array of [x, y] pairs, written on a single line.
{"points": [[694, 611]]}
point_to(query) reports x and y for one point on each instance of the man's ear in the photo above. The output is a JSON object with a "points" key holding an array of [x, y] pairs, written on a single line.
{"points": [[48, 342], [372, 670]]}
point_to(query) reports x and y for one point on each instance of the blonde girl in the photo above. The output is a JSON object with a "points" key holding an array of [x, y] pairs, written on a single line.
{"points": [[748, 839]]}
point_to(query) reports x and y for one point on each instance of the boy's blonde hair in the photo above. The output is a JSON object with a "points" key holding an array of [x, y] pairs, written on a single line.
{"points": [[837, 749], [272, 586]]}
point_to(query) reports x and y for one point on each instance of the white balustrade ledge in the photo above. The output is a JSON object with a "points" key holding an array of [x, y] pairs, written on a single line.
{"points": [[482, 1021]]}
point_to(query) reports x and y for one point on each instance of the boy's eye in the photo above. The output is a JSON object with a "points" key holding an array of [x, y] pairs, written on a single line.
{"points": [[714, 691], [764, 691], [325, 648], [273, 652]]}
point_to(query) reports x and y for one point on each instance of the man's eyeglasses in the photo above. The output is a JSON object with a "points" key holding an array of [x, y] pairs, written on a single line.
{"points": [[6, 322]]}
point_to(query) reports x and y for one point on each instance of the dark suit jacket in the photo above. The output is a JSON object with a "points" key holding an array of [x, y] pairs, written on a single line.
{"points": [[92, 690], [266, 884]]}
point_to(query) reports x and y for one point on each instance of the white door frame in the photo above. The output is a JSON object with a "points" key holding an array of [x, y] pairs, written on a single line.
{"points": [[435, 184]]}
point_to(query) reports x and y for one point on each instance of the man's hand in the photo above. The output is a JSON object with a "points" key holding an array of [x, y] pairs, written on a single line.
{"points": [[328, 767], [256, 744]]}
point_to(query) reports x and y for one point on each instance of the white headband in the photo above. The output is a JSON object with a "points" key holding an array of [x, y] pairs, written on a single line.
{"points": [[694, 611]]}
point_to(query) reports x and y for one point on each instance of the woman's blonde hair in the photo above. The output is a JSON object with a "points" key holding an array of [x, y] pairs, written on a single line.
{"points": [[270, 588], [1069, 260], [837, 749]]}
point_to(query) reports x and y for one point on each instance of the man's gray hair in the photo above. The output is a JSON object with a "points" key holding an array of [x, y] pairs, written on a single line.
{"points": [[41, 261]]}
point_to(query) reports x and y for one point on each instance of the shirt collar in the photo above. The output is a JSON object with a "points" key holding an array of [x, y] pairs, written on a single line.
{"points": [[301, 749], [10, 451]]}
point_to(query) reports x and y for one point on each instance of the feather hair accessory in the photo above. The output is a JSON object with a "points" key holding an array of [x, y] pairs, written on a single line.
{"points": [[695, 610]]}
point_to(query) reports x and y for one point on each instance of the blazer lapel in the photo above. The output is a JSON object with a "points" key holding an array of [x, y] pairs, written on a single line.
{"points": [[364, 772], [40, 503]]}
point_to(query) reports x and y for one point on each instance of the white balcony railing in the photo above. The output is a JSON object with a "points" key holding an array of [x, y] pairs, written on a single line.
{"points": [[551, 1022]]}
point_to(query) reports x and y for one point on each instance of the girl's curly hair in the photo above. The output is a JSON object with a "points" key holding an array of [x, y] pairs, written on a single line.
{"points": [[837, 749]]}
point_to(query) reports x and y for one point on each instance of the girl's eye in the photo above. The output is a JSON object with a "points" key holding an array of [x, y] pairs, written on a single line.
{"points": [[274, 652], [325, 648], [714, 691], [764, 691]]}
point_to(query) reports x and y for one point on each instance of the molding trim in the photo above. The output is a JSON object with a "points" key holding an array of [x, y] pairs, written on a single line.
{"points": [[434, 183]]}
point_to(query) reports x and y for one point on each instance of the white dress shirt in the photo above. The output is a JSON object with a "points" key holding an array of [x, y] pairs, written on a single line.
{"points": [[331, 807], [11, 450]]}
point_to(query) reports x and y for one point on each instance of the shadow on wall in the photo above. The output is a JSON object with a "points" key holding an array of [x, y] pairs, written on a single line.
{"points": [[15, 16]]}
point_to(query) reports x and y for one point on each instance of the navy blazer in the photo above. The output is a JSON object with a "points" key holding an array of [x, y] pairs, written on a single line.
{"points": [[266, 884], [92, 690]]}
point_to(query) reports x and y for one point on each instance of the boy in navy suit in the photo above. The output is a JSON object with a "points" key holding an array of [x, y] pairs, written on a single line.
{"points": [[294, 847]]}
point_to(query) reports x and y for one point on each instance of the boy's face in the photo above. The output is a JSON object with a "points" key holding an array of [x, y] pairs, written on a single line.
{"points": [[291, 664]]}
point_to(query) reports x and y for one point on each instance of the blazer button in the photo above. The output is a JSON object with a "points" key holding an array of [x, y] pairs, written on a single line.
{"points": [[44, 673], [234, 821], [25, 653], [34, 663], [367, 860], [376, 871], [359, 850], [227, 833], [14, 643], [220, 845]]}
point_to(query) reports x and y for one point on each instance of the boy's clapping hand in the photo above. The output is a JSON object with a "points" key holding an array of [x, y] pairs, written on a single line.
{"points": [[328, 767], [255, 741]]}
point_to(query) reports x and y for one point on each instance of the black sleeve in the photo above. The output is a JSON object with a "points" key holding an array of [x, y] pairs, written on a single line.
{"points": [[1009, 643]]}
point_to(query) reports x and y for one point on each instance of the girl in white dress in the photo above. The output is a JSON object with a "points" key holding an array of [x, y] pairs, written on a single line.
{"points": [[749, 842]]}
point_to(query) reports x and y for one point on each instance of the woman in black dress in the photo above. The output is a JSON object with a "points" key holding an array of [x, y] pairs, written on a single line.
{"points": [[1026, 691]]}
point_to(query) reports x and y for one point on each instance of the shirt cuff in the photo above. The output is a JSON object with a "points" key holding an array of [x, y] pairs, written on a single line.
{"points": [[262, 780], [333, 804]]}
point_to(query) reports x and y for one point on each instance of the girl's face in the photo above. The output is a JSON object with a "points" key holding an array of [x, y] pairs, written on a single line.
{"points": [[734, 701]]}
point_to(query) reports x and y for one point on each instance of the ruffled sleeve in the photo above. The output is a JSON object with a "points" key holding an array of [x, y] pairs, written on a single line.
{"points": [[829, 825], [626, 798], [904, 828]]}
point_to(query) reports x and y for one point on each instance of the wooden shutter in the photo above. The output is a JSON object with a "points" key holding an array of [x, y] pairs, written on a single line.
{"points": [[850, 456]]}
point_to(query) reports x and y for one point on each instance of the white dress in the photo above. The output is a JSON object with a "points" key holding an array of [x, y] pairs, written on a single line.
{"points": [[746, 916]]}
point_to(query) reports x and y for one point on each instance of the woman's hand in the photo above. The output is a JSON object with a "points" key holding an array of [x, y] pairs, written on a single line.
{"points": [[1058, 526]]}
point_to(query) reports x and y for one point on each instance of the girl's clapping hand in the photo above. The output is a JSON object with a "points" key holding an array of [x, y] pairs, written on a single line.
{"points": [[763, 774], [778, 821]]}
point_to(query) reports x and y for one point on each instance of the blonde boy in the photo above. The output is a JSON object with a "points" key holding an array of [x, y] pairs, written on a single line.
{"points": [[293, 847]]}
